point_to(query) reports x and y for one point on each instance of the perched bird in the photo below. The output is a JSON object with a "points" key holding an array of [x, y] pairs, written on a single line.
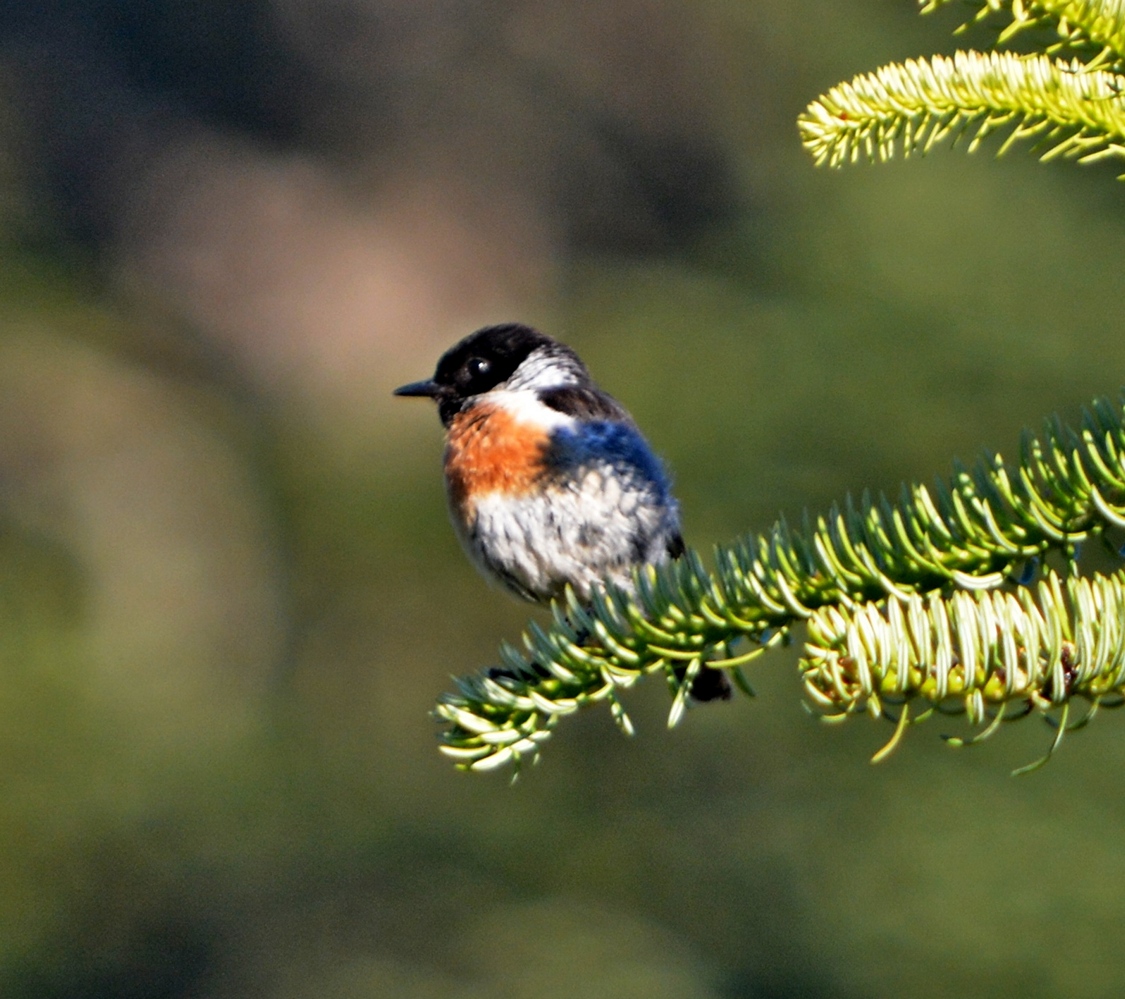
{"points": [[549, 481]]}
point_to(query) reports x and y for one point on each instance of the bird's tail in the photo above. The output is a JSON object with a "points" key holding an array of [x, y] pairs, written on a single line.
{"points": [[709, 685]]}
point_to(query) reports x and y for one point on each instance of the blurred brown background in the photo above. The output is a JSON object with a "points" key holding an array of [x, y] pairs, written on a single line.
{"points": [[228, 591]]}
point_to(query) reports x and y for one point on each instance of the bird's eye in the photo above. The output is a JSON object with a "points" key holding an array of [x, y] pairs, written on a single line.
{"points": [[477, 366]]}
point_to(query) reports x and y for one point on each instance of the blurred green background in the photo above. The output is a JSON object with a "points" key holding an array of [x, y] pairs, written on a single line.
{"points": [[229, 592]]}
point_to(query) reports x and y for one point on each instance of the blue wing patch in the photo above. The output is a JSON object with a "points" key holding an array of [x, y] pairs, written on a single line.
{"points": [[621, 445]]}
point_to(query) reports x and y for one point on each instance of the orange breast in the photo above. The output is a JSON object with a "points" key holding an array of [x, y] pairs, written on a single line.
{"points": [[488, 450]]}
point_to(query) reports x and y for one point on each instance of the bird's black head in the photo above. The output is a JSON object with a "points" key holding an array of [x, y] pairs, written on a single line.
{"points": [[488, 358]]}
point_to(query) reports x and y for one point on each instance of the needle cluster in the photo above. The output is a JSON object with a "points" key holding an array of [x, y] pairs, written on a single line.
{"points": [[1069, 100]]}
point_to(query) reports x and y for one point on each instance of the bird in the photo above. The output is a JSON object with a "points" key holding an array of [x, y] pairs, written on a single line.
{"points": [[548, 479]]}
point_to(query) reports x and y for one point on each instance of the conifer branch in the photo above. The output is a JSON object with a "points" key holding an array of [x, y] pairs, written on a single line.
{"points": [[1068, 109], [968, 534]]}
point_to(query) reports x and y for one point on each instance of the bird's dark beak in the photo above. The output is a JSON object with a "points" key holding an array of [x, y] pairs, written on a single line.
{"points": [[430, 389]]}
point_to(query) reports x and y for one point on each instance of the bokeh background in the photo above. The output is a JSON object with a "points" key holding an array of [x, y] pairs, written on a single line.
{"points": [[228, 591]]}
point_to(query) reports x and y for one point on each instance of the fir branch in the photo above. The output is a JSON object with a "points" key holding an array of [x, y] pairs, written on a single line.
{"points": [[1080, 24], [1072, 110], [967, 534], [993, 656]]}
